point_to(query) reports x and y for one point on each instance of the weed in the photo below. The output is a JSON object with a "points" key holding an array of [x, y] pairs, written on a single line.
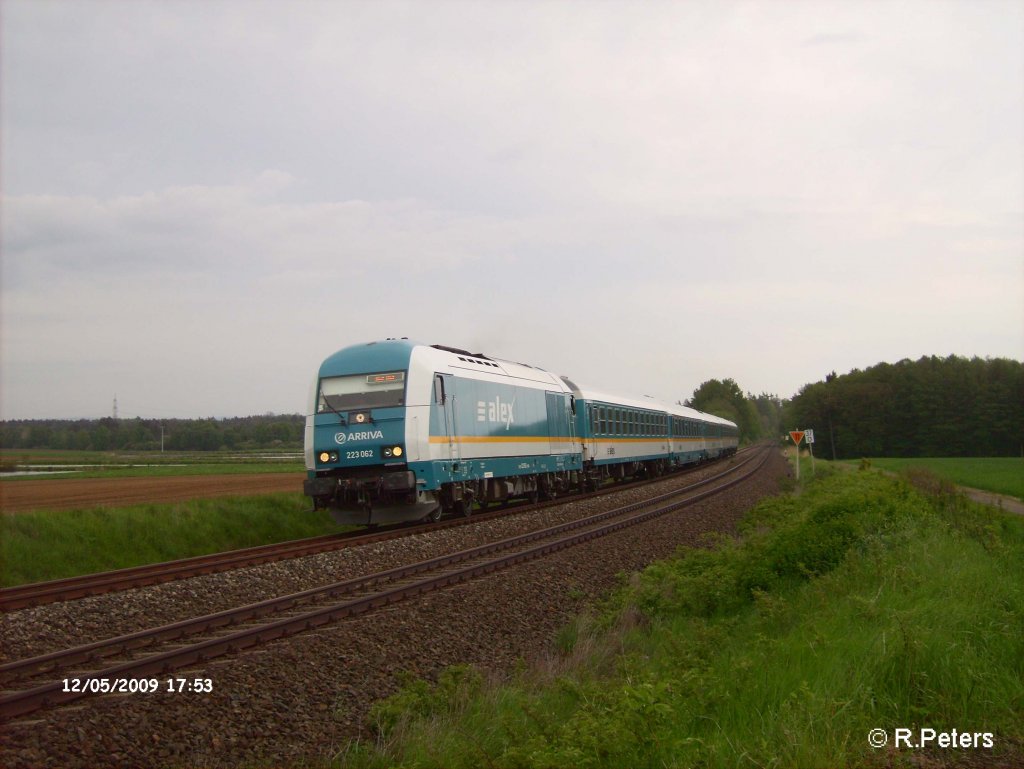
{"points": [[860, 604]]}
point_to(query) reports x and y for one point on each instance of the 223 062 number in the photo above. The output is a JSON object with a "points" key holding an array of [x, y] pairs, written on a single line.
{"points": [[364, 454]]}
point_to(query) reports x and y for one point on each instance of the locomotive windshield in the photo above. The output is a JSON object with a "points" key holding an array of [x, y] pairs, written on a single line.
{"points": [[361, 391]]}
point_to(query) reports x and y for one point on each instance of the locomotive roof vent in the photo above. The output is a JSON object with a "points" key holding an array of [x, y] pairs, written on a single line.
{"points": [[460, 353], [479, 362]]}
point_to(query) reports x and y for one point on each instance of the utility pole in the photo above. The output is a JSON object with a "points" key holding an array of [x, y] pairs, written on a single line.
{"points": [[115, 407]]}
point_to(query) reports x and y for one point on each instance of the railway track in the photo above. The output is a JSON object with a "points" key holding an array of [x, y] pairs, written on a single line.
{"points": [[70, 588], [233, 631]]}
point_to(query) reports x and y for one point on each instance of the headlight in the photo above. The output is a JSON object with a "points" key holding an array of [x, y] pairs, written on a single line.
{"points": [[327, 457], [391, 451]]}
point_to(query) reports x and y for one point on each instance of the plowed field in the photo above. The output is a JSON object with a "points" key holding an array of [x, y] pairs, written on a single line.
{"points": [[53, 494]]}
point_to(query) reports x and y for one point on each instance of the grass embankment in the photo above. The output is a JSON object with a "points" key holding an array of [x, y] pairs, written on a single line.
{"points": [[859, 604], [54, 544], [1002, 475]]}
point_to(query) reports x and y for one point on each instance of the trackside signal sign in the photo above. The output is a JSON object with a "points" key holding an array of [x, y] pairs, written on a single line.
{"points": [[797, 436]]}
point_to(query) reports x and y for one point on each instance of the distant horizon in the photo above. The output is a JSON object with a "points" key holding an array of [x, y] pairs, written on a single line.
{"points": [[302, 414]]}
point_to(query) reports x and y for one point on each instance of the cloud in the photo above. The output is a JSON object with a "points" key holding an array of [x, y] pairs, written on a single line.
{"points": [[223, 194]]}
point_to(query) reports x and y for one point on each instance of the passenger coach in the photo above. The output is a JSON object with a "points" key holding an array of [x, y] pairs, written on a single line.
{"points": [[625, 437]]}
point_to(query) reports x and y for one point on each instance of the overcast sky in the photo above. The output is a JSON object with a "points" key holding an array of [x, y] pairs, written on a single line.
{"points": [[202, 200]]}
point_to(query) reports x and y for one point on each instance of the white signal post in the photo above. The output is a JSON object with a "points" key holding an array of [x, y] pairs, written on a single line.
{"points": [[797, 436], [809, 437]]}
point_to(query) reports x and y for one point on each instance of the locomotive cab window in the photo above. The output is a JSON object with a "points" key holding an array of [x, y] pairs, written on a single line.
{"points": [[361, 391]]}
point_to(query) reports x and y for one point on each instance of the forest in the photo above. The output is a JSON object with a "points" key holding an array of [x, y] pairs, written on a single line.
{"points": [[932, 407], [756, 416]]}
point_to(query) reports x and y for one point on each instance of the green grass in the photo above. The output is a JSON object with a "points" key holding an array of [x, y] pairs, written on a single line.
{"points": [[37, 546], [1002, 475], [140, 464], [859, 604]]}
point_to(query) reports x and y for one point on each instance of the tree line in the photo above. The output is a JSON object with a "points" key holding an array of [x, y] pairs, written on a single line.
{"points": [[936, 407], [932, 407], [756, 416], [108, 434]]}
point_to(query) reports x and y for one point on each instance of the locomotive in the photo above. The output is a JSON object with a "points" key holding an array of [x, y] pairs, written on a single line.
{"points": [[401, 431]]}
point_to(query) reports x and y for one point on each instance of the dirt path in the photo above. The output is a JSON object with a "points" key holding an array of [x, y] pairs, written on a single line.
{"points": [[54, 494], [1003, 502]]}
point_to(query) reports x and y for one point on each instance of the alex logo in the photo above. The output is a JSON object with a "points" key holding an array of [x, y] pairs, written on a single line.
{"points": [[365, 435], [496, 411]]}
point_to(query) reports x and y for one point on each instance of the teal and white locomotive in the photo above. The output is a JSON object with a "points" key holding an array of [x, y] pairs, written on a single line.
{"points": [[400, 431]]}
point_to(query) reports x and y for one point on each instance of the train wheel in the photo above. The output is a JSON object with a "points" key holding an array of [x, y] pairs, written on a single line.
{"points": [[465, 506], [547, 488], [433, 516]]}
